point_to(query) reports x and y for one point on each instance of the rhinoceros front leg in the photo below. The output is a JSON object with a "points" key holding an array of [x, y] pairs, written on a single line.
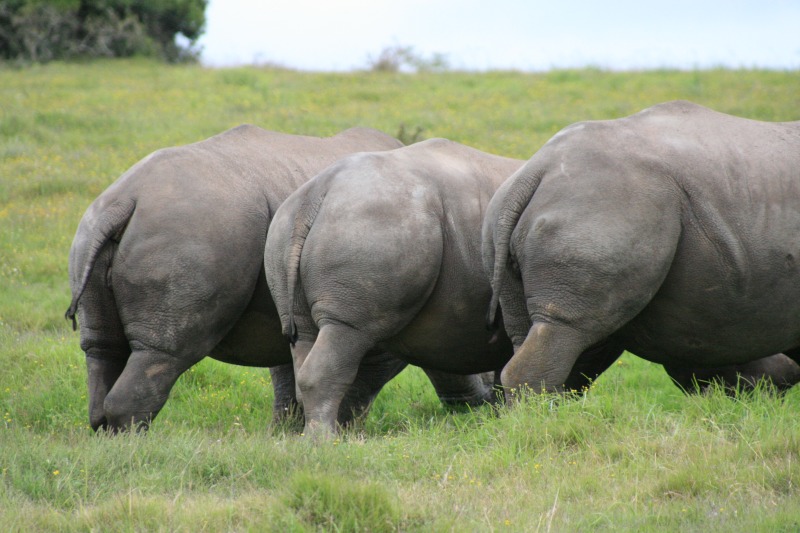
{"points": [[326, 374]]}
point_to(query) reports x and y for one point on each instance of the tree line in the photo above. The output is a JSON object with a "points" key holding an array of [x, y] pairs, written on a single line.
{"points": [[46, 30]]}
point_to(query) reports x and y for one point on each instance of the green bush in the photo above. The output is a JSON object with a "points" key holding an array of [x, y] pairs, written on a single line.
{"points": [[404, 58], [41, 31]]}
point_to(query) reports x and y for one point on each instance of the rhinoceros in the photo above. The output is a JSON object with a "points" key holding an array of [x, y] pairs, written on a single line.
{"points": [[167, 267], [673, 233], [382, 250]]}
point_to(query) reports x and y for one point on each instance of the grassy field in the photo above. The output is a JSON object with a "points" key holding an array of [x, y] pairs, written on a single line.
{"points": [[634, 454]]}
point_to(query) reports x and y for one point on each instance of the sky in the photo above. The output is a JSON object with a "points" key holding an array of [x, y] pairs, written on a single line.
{"points": [[527, 35]]}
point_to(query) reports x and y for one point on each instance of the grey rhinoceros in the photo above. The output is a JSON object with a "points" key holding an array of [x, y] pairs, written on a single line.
{"points": [[382, 250], [673, 233], [167, 267]]}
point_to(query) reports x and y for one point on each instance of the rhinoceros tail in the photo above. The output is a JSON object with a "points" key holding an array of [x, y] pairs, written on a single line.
{"points": [[89, 241], [519, 194], [303, 221]]}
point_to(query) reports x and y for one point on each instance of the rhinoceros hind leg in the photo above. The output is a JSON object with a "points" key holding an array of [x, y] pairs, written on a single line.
{"points": [[327, 373], [545, 360], [103, 373], [777, 373], [375, 371], [142, 389], [793, 354], [457, 390]]}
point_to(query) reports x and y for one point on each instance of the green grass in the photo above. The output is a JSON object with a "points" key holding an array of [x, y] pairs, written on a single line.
{"points": [[634, 454]]}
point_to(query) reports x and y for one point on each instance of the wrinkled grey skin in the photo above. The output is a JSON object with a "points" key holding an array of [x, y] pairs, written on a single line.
{"points": [[673, 233], [382, 251], [167, 267]]}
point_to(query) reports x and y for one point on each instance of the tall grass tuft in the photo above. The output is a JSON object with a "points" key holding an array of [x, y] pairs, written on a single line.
{"points": [[329, 503]]}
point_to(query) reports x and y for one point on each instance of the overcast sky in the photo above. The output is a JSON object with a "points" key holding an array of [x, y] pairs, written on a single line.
{"points": [[506, 34]]}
